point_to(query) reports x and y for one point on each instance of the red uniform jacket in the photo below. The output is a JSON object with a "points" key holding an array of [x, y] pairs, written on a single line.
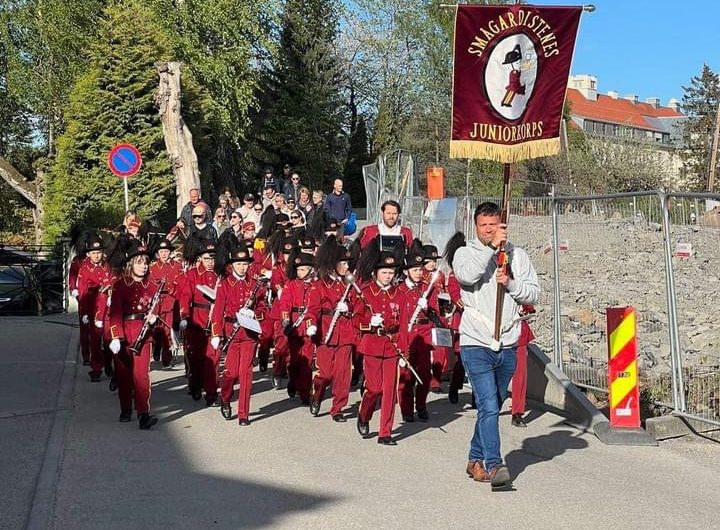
{"points": [[232, 294], [130, 303], [296, 296], [90, 281], [194, 305], [171, 273], [75, 265], [382, 301], [328, 294], [439, 285], [453, 289], [372, 231], [420, 334]]}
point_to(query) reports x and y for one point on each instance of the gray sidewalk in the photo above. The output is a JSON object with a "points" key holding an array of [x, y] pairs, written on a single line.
{"points": [[289, 470]]}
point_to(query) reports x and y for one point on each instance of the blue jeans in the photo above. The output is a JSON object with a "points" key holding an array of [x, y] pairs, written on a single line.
{"points": [[489, 373]]}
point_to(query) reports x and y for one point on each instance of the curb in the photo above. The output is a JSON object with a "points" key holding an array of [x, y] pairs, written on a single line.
{"points": [[45, 488]]}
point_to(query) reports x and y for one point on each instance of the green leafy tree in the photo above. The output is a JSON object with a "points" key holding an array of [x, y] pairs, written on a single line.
{"points": [[112, 102], [700, 103], [302, 122]]}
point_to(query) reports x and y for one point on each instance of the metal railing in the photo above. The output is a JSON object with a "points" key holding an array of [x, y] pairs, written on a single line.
{"points": [[627, 249]]}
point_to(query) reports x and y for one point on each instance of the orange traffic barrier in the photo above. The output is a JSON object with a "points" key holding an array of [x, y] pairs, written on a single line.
{"points": [[435, 182]]}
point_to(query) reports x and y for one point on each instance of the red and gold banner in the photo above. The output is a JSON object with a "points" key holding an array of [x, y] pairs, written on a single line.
{"points": [[510, 73]]}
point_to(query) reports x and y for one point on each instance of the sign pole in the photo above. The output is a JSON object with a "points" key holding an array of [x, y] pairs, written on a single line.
{"points": [[127, 202]]}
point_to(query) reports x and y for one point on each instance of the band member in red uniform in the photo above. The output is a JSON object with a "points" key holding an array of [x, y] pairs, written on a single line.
{"points": [[377, 318], [299, 324], [73, 271], [93, 280], [415, 336], [453, 288], [389, 226], [195, 305], [519, 380], [238, 294], [130, 310], [439, 354], [334, 353], [164, 267], [278, 281]]}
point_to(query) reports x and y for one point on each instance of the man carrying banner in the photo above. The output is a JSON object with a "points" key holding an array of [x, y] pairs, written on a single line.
{"points": [[490, 363]]}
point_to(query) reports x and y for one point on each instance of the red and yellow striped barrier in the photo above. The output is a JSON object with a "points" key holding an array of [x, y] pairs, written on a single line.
{"points": [[623, 367]]}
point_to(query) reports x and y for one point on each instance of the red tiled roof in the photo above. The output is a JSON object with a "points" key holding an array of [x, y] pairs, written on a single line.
{"points": [[620, 111]]}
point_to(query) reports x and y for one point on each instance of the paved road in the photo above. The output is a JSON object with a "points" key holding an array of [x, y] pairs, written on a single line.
{"points": [[289, 470]]}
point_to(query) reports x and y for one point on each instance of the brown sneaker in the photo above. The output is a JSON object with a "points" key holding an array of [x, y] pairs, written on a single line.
{"points": [[476, 471]]}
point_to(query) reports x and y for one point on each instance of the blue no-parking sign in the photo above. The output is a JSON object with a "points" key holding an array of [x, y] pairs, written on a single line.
{"points": [[124, 160]]}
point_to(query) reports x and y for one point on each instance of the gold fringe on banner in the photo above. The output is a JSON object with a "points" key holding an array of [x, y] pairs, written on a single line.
{"points": [[506, 154]]}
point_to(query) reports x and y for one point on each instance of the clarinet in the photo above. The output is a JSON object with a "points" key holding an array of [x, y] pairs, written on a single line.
{"points": [[146, 325]]}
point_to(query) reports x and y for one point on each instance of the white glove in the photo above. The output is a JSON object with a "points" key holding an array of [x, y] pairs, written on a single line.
{"points": [[151, 318], [246, 312], [402, 363], [108, 301], [114, 346], [85, 319], [376, 320], [99, 324], [267, 274], [215, 342], [311, 331], [422, 302], [341, 307], [75, 293], [183, 325]]}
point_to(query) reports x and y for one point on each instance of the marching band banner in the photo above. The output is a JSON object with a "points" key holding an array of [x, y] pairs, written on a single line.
{"points": [[510, 72]]}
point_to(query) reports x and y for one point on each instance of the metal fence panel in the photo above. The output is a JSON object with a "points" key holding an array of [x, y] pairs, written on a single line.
{"points": [[696, 249]]}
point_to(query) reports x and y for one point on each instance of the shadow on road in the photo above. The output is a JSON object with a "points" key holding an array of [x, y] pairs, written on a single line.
{"points": [[542, 448]]}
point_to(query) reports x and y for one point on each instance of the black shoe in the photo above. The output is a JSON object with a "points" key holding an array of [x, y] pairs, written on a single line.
{"points": [[314, 407], [225, 410], [113, 385], [423, 415], [244, 422], [196, 394], [146, 421], [86, 363], [95, 377], [386, 440], [291, 392], [275, 381], [363, 428], [305, 401], [156, 355], [518, 421], [262, 367], [339, 418], [211, 401], [126, 416], [408, 418], [499, 477], [109, 371], [453, 395]]}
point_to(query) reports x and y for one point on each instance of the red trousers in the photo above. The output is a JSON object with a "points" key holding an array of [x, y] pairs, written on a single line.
{"points": [[239, 367], [334, 366], [196, 346], [380, 382], [439, 365], [162, 336], [281, 353], [519, 380], [299, 368], [132, 373], [409, 390], [84, 339], [97, 354]]}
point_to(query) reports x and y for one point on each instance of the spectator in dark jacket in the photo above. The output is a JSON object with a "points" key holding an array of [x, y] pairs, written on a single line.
{"points": [[194, 201], [270, 181], [293, 187], [338, 205]]}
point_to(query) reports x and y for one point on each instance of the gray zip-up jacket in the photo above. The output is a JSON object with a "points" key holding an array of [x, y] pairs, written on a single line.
{"points": [[475, 268]]}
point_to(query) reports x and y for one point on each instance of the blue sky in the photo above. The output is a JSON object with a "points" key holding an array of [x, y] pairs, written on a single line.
{"points": [[647, 48]]}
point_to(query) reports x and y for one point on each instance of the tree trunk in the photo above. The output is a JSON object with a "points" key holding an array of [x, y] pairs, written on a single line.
{"points": [[178, 138], [18, 182], [39, 211]]}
